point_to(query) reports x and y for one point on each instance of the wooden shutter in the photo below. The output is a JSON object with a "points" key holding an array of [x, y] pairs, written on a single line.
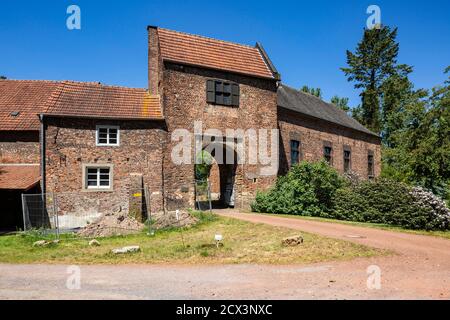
{"points": [[235, 95], [210, 91]]}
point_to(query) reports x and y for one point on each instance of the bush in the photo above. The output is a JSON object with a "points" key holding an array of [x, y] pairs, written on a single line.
{"points": [[308, 189], [390, 202]]}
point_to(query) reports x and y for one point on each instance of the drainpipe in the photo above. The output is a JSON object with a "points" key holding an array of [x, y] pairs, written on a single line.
{"points": [[42, 143]]}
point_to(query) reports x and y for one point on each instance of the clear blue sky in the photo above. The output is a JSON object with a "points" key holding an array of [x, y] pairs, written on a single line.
{"points": [[306, 40]]}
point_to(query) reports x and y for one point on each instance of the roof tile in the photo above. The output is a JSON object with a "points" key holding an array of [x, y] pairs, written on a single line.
{"points": [[96, 100], [19, 177], [216, 54], [30, 98]]}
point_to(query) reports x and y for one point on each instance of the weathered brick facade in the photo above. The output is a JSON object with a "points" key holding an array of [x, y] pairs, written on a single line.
{"points": [[71, 143], [20, 147], [313, 134], [185, 102]]}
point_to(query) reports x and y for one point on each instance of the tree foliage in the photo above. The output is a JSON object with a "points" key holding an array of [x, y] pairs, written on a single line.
{"points": [[341, 103], [374, 61], [313, 91], [419, 145], [307, 189]]}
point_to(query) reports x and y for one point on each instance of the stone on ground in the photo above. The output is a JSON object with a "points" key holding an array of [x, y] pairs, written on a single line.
{"points": [[94, 243], [130, 249], [292, 241], [44, 243]]}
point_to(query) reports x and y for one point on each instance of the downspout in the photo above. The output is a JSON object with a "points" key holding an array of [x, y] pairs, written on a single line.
{"points": [[43, 147]]}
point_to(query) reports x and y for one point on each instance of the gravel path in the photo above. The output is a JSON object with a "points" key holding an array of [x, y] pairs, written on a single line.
{"points": [[420, 269]]}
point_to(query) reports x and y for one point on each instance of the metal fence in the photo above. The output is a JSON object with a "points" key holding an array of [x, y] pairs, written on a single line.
{"points": [[203, 195], [39, 212], [83, 214]]}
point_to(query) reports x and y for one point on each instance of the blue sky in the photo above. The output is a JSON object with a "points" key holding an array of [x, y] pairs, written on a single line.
{"points": [[306, 40]]}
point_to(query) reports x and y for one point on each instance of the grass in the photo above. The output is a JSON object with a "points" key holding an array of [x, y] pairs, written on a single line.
{"points": [[243, 242], [442, 234]]}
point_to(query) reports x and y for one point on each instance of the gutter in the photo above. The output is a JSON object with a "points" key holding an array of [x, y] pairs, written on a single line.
{"points": [[43, 149]]}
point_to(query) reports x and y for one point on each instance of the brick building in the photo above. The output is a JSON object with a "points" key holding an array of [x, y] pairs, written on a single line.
{"points": [[107, 143]]}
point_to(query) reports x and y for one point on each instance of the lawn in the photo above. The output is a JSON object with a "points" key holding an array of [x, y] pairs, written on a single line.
{"points": [[442, 234], [243, 242]]}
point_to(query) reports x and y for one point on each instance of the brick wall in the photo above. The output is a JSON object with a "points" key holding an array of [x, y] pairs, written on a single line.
{"points": [[19, 147], [185, 102], [72, 143], [313, 133]]}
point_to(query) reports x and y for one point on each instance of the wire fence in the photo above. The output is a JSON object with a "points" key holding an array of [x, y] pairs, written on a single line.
{"points": [[85, 215], [95, 215]]}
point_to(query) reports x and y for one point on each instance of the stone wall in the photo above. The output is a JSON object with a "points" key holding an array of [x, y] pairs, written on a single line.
{"points": [[19, 147], [314, 133], [71, 143]]}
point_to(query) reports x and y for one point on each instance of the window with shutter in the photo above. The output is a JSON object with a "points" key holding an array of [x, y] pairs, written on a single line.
{"points": [[222, 93], [210, 92], [235, 95]]}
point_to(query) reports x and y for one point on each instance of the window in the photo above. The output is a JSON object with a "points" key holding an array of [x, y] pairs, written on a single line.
{"points": [[328, 154], [97, 177], [295, 152], [108, 136], [222, 93], [370, 165], [347, 160]]}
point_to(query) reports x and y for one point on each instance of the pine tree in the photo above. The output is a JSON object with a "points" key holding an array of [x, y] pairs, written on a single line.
{"points": [[313, 91], [341, 103], [373, 62]]}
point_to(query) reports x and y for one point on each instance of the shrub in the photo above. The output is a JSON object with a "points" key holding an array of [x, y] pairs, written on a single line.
{"points": [[308, 189], [437, 208], [390, 202]]}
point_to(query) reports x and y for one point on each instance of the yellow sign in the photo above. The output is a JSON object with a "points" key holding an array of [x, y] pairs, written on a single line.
{"points": [[137, 195]]}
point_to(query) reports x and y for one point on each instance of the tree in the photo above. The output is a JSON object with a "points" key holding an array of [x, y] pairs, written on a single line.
{"points": [[313, 91], [398, 95], [3, 78], [420, 149], [341, 103], [373, 62]]}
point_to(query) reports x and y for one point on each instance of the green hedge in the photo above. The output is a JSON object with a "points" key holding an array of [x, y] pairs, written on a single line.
{"points": [[316, 189], [387, 202], [308, 189]]}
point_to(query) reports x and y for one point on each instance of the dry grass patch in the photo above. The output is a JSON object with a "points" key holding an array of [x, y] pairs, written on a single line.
{"points": [[243, 242]]}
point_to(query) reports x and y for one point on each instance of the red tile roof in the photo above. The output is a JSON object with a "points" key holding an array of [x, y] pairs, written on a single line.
{"points": [[96, 100], [21, 177], [27, 97], [21, 101], [216, 54]]}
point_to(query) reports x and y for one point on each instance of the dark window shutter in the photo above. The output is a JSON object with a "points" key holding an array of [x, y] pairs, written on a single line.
{"points": [[210, 92], [219, 97], [235, 95]]}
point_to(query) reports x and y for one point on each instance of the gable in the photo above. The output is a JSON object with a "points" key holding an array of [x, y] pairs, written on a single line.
{"points": [[215, 54]]}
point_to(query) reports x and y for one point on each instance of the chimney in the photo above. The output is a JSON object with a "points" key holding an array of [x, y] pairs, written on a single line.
{"points": [[154, 61]]}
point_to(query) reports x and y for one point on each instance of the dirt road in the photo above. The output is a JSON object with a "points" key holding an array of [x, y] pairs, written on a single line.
{"points": [[420, 269]]}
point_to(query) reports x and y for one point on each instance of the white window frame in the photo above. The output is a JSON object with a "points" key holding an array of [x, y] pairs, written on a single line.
{"points": [[108, 144], [97, 187]]}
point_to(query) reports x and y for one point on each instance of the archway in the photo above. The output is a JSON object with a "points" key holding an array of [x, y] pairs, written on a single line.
{"points": [[221, 173]]}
